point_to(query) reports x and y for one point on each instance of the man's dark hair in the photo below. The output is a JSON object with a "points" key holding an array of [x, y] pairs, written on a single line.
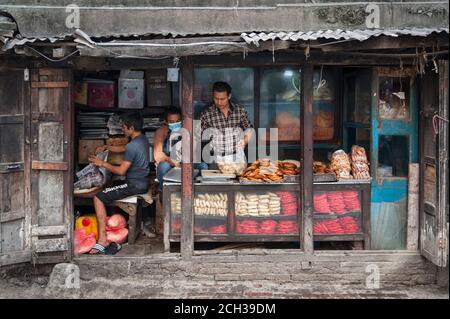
{"points": [[132, 120], [172, 110], [222, 87]]}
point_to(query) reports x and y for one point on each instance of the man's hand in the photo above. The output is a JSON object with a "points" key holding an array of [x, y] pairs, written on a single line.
{"points": [[101, 149], [96, 161], [172, 163]]}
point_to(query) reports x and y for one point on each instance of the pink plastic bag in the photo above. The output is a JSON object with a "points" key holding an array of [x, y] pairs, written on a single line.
{"points": [[117, 236], [115, 222], [83, 242]]}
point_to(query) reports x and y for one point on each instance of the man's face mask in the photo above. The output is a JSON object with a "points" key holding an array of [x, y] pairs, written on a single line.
{"points": [[173, 127]]}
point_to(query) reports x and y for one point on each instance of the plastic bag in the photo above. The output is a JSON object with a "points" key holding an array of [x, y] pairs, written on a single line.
{"points": [[91, 175], [83, 242]]}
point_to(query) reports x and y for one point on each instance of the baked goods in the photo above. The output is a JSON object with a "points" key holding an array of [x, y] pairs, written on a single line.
{"points": [[211, 204], [289, 203], [360, 165], [266, 204], [338, 202], [340, 164], [288, 168], [232, 168], [175, 203], [204, 204], [319, 167], [265, 170], [340, 226]]}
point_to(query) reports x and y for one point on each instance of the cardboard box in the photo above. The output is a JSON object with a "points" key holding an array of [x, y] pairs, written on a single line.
{"points": [[87, 148], [81, 93], [101, 93], [115, 158], [117, 141], [131, 93], [159, 90]]}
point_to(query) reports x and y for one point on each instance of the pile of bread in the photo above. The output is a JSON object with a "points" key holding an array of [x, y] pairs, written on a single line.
{"points": [[360, 165], [267, 204], [232, 168], [204, 204], [265, 170], [346, 166], [211, 204]]}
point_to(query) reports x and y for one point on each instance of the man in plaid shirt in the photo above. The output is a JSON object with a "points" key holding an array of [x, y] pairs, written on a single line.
{"points": [[226, 122]]}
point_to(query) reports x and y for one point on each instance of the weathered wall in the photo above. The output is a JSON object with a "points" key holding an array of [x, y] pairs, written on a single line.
{"points": [[324, 268], [145, 18]]}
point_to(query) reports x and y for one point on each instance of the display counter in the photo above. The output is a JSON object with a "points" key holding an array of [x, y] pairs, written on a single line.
{"points": [[235, 212], [342, 212]]}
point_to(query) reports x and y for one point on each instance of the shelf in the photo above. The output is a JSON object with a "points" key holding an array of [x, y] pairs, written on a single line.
{"points": [[336, 216], [335, 237], [239, 238], [145, 110], [274, 217]]}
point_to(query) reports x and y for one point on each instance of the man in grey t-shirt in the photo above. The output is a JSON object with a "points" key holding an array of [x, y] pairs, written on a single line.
{"points": [[135, 167]]}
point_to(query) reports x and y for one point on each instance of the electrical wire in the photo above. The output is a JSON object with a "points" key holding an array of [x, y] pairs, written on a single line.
{"points": [[50, 59]]}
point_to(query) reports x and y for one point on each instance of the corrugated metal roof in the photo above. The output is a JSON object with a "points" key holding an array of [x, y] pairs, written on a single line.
{"points": [[361, 35], [11, 43]]}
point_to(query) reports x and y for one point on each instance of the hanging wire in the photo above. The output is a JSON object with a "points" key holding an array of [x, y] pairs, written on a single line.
{"points": [[50, 59], [321, 82]]}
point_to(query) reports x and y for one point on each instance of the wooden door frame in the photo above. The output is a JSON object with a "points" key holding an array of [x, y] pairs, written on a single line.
{"points": [[25, 254], [66, 165]]}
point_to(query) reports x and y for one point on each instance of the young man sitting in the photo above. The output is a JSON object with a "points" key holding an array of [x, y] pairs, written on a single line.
{"points": [[135, 167], [162, 145]]}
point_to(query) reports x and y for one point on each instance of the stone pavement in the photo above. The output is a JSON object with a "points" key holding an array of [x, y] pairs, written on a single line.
{"points": [[130, 287]]}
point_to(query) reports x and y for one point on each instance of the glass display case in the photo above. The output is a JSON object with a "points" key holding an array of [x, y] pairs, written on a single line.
{"points": [[342, 211], [236, 212]]}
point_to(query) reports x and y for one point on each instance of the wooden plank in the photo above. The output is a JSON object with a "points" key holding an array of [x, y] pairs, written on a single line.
{"points": [[50, 245], [158, 51], [443, 171], [11, 119], [49, 85], [412, 236], [396, 72], [187, 184], [167, 216], [15, 257], [49, 166], [48, 231], [12, 215], [387, 42], [307, 156], [5, 197], [356, 237]]}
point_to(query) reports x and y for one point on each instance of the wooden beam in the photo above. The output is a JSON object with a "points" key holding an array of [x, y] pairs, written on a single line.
{"points": [[187, 183], [48, 231], [50, 85], [386, 42], [412, 236], [307, 155], [141, 50], [49, 166]]}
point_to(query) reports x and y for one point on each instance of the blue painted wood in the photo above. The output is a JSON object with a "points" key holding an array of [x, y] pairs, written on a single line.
{"points": [[388, 193]]}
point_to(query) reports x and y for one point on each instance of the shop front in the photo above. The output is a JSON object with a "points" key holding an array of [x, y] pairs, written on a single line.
{"points": [[347, 152]]}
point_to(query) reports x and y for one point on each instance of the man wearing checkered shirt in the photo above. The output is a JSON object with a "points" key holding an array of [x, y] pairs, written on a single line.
{"points": [[227, 122]]}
